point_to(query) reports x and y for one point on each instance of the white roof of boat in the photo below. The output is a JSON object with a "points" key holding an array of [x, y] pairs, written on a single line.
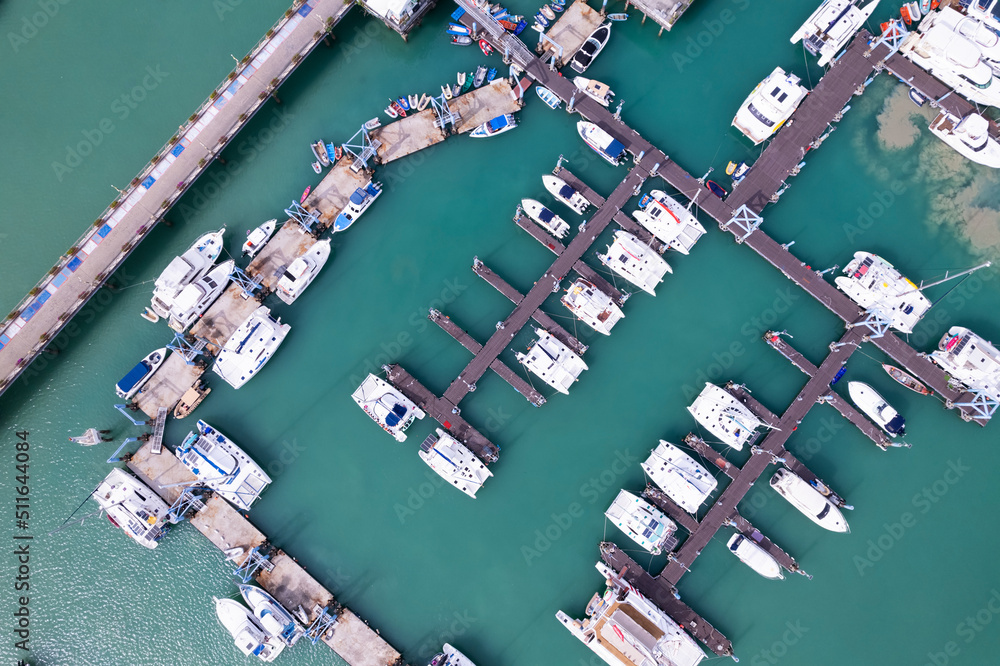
{"points": [[383, 8]]}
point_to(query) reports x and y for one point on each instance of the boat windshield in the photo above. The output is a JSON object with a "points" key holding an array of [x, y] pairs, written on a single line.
{"points": [[566, 192], [759, 116], [826, 509], [545, 215]]}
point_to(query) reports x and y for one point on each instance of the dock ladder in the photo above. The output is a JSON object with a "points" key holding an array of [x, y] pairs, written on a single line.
{"points": [[156, 447], [983, 404], [363, 148], [188, 346], [254, 562], [306, 218], [323, 623], [191, 498], [248, 285], [746, 220]]}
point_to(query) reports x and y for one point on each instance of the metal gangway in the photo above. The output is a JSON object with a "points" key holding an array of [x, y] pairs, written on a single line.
{"points": [[305, 217], [363, 148]]}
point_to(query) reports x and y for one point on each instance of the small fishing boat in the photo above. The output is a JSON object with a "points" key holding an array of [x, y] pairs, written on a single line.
{"points": [[137, 377], [740, 172], [541, 20], [480, 76], [373, 123], [399, 109], [754, 557], [556, 8], [486, 48], [508, 25], [550, 98], [455, 90], [149, 315], [468, 83], [716, 189], [316, 167], [191, 399], [412, 100], [461, 40], [492, 74], [548, 13], [423, 101], [256, 238], [599, 92], [906, 379], [302, 199], [498, 125], [461, 77], [501, 14], [621, 16], [456, 29], [904, 13], [391, 111], [925, 7], [538, 27], [916, 97], [319, 151], [403, 104]]}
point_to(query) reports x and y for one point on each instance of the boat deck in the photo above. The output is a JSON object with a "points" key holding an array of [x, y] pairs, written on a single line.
{"points": [[287, 581], [570, 31], [332, 193], [165, 388], [287, 244], [408, 135], [482, 104]]}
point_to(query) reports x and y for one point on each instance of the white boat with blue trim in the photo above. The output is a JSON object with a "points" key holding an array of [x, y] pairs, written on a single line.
{"points": [[545, 218], [250, 347], [387, 406], [272, 616], [360, 201], [454, 463], [495, 127], [248, 635], [561, 190], [137, 377], [222, 466], [612, 150]]}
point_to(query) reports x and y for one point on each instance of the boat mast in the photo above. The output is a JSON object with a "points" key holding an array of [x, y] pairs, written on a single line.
{"points": [[948, 277]]}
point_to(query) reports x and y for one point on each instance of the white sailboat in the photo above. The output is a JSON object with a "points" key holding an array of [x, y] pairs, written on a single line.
{"points": [[771, 103], [250, 347], [301, 272], [272, 616], [671, 223], [827, 30], [809, 501], [682, 478], [183, 270], [874, 284], [257, 238], [389, 408], [195, 298], [545, 218], [558, 188], [624, 628], [878, 410], [454, 463], [969, 137], [223, 466], [592, 306], [137, 377], [133, 507], [725, 417], [642, 522], [552, 361], [970, 359], [248, 636], [635, 261], [755, 557]]}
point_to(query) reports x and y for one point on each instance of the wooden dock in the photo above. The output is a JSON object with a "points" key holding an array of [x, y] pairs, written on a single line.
{"points": [[332, 193], [288, 244], [408, 135], [222, 319], [482, 104], [663, 12], [284, 578], [167, 385], [570, 31]]}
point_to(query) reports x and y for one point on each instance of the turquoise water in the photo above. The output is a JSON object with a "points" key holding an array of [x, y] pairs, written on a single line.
{"points": [[420, 562]]}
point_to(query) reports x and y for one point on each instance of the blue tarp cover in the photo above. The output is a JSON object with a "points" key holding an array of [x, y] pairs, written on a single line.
{"points": [[133, 376], [498, 123], [615, 148]]}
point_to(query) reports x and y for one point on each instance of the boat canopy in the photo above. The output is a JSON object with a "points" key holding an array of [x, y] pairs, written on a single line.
{"points": [[393, 418], [498, 123], [134, 376], [358, 197], [566, 192], [615, 149], [545, 215]]}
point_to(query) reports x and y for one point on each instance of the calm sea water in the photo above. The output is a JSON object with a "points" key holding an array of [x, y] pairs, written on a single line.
{"points": [[912, 583]]}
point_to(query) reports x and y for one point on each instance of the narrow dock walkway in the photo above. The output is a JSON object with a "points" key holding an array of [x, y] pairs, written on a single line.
{"points": [[543, 320], [540, 234], [711, 455], [445, 413], [498, 366], [167, 385], [222, 319], [744, 527], [286, 580], [669, 507]]}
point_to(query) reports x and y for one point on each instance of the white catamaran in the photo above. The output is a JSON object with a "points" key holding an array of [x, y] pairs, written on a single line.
{"points": [[454, 463], [386, 406], [182, 271], [682, 478], [828, 29], [970, 359], [133, 507], [592, 306], [624, 628], [642, 522], [673, 224], [771, 103], [725, 417], [874, 284], [250, 347], [552, 361], [223, 466], [635, 261]]}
